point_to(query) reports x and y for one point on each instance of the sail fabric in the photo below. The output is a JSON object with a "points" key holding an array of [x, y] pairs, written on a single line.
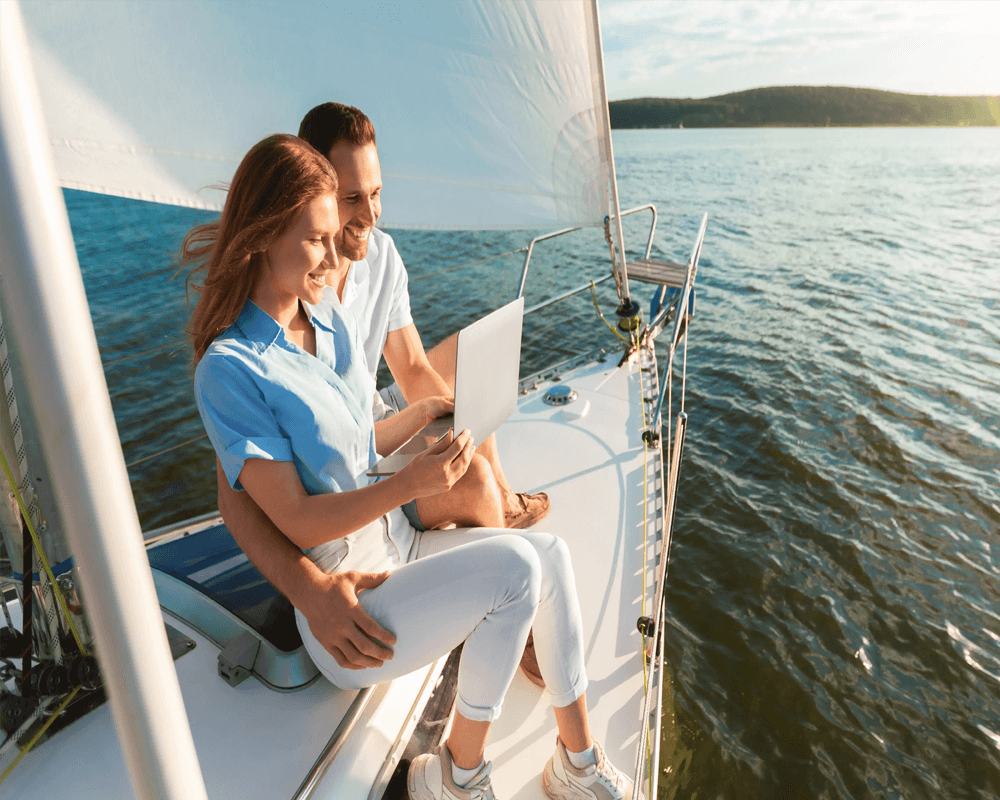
{"points": [[486, 114]]}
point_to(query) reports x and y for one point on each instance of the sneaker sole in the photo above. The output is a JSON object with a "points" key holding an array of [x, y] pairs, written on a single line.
{"points": [[411, 786], [554, 788]]}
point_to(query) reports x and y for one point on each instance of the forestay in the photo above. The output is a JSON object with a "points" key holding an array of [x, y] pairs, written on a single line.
{"points": [[487, 113]]}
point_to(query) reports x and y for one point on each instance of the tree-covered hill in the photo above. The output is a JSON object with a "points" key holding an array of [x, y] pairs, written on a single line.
{"points": [[805, 106]]}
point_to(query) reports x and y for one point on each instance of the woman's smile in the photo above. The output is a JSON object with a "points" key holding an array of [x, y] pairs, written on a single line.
{"points": [[300, 260]]}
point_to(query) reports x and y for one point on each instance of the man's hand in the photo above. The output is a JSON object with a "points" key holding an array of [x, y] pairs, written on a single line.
{"points": [[342, 626], [434, 407]]}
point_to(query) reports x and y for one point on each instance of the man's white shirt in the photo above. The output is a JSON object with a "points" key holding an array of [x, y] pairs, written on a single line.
{"points": [[376, 293]]}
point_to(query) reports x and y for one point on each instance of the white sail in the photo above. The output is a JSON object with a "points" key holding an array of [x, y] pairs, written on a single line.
{"points": [[487, 114]]}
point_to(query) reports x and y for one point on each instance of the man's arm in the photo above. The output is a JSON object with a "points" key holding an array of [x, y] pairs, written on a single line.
{"points": [[328, 602], [408, 363], [397, 429]]}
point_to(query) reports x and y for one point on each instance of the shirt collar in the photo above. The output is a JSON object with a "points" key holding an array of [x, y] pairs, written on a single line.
{"points": [[359, 269], [262, 330], [258, 326]]}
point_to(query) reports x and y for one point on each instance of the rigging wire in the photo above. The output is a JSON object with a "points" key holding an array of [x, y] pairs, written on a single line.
{"points": [[645, 537], [137, 353], [166, 450], [467, 264]]}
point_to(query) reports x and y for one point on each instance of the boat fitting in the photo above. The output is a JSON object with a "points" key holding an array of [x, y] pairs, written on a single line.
{"points": [[561, 395]]}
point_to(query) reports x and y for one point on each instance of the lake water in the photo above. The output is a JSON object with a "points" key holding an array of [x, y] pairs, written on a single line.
{"points": [[833, 601]]}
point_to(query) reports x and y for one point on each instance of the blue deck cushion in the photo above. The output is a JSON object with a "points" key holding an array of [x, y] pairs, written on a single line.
{"points": [[211, 562]]}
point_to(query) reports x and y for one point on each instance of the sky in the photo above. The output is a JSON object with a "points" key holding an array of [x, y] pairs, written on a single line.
{"points": [[686, 48]]}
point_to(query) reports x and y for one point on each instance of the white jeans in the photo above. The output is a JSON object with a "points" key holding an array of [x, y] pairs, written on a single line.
{"points": [[482, 586]]}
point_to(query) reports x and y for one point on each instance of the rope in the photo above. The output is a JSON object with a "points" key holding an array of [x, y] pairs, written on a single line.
{"points": [[41, 554], [597, 308], [40, 733], [467, 264], [15, 425]]}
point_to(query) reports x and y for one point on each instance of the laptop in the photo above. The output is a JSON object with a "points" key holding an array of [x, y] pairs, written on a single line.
{"points": [[488, 360]]}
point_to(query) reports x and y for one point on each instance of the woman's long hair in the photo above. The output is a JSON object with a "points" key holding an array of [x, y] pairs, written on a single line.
{"points": [[274, 182]]}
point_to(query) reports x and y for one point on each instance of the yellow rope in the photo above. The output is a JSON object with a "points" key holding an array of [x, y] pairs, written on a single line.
{"points": [[41, 553], [40, 733], [597, 308]]}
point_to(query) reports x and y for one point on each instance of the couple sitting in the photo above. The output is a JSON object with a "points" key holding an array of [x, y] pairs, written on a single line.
{"points": [[285, 388]]}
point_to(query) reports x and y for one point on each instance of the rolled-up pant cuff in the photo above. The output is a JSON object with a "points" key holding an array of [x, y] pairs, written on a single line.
{"points": [[566, 698], [477, 713]]}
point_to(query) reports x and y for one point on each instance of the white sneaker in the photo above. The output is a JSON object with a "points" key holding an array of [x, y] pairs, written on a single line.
{"points": [[563, 781], [430, 778]]}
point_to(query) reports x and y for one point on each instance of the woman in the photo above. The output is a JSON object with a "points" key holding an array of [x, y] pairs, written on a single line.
{"points": [[286, 398]]}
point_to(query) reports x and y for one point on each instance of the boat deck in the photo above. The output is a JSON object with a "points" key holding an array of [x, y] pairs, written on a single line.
{"points": [[254, 742], [598, 475]]}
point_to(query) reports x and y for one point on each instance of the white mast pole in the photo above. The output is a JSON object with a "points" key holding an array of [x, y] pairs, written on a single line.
{"points": [[622, 278], [65, 383]]}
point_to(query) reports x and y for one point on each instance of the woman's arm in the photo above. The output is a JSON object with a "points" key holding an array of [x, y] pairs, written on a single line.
{"points": [[396, 430], [311, 520]]}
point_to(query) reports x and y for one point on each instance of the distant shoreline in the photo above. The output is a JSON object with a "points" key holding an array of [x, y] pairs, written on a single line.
{"points": [[807, 107]]}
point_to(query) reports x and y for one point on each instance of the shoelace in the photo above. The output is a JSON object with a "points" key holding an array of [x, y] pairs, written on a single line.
{"points": [[613, 778]]}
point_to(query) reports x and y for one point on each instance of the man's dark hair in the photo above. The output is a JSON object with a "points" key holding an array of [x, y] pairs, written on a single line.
{"points": [[329, 123]]}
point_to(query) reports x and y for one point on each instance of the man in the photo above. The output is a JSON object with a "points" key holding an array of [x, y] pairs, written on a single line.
{"points": [[371, 281]]}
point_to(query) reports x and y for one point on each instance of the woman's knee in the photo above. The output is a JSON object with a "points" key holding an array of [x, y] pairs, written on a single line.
{"points": [[555, 560], [522, 565]]}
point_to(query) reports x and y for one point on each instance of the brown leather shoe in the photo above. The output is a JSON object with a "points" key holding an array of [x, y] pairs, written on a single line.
{"points": [[529, 664], [529, 509]]}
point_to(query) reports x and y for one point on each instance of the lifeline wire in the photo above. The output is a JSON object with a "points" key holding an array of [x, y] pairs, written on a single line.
{"points": [[645, 536], [467, 264]]}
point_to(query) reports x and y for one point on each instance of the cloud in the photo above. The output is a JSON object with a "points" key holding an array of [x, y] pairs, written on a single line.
{"points": [[703, 48]]}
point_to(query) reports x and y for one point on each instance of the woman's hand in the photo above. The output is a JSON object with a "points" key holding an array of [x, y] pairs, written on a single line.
{"points": [[439, 467]]}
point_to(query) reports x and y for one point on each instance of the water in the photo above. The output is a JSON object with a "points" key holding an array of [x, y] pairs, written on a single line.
{"points": [[833, 597]]}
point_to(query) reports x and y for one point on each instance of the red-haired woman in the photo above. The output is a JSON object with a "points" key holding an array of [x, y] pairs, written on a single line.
{"points": [[286, 397]]}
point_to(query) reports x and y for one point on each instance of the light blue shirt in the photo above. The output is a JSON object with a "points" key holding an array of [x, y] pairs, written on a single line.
{"points": [[261, 396]]}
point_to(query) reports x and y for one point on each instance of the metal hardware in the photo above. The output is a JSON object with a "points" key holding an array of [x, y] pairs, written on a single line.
{"points": [[569, 293], [645, 626], [319, 769], [561, 395], [651, 438], [680, 320], [531, 245], [236, 661], [664, 273], [629, 316]]}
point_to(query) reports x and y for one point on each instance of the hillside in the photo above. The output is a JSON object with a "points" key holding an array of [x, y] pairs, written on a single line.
{"points": [[805, 106]]}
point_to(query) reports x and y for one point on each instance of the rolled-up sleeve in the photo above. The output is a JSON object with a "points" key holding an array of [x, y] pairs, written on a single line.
{"points": [[236, 415], [399, 314]]}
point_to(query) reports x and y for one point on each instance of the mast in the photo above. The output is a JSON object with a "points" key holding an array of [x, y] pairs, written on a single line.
{"points": [[48, 310], [628, 310]]}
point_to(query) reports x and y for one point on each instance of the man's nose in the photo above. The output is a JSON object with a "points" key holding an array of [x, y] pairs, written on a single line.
{"points": [[368, 213]]}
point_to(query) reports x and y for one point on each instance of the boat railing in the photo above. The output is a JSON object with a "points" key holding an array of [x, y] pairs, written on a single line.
{"points": [[582, 288]]}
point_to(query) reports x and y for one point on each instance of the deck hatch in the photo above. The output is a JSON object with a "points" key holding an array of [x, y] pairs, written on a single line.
{"points": [[205, 580]]}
